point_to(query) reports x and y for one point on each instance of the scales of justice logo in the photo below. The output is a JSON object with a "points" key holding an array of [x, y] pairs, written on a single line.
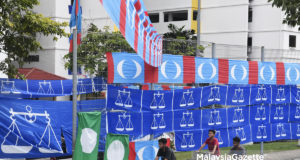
{"points": [[9, 87], [120, 99], [20, 146]]}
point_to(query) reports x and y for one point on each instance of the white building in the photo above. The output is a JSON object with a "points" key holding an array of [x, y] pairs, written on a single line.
{"points": [[50, 59], [239, 23], [2, 58]]}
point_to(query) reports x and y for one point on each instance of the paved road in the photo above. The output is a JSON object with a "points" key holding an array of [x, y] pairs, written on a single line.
{"points": [[284, 155]]}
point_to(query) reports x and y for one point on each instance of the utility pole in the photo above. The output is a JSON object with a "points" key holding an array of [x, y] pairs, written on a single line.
{"points": [[213, 50], [74, 100], [198, 54], [262, 58]]}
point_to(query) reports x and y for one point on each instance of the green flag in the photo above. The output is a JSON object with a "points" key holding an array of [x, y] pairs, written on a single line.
{"points": [[88, 136], [116, 147]]}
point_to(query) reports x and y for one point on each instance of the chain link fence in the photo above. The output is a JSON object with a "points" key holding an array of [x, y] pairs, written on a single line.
{"points": [[239, 52], [208, 49], [235, 52]]}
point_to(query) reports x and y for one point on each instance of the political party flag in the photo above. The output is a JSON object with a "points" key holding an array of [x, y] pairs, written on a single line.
{"points": [[135, 25], [75, 14], [116, 147], [88, 136], [143, 150]]}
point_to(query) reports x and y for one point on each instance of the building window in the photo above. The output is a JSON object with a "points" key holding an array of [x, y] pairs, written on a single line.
{"points": [[249, 42], [166, 17], [32, 58], [180, 16], [154, 17], [292, 41], [250, 15], [176, 16], [195, 14]]}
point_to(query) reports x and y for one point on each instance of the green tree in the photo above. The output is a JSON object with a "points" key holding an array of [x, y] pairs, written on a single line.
{"points": [[291, 9], [92, 50], [19, 26], [180, 41], [179, 33]]}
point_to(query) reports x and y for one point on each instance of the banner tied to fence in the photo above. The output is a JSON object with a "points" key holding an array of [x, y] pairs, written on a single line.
{"points": [[51, 121], [48, 88], [35, 129], [121, 98], [129, 68]]}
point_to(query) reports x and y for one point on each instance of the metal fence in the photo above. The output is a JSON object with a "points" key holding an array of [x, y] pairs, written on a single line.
{"points": [[238, 52], [223, 51]]}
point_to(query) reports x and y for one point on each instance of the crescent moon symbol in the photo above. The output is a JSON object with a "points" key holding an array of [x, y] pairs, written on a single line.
{"points": [[273, 73], [138, 69], [262, 73], [298, 75], [245, 72], [288, 74], [178, 68], [163, 69], [120, 69], [214, 71], [232, 72], [140, 153], [200, 71], [155, 149]]}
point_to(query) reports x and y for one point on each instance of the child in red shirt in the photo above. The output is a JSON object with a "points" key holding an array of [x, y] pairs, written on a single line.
{"points": [[212, 143]]}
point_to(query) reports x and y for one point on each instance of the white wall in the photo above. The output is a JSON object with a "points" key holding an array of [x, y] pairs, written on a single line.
{"points": [[266, 25], [265, 17], [93, 12], [222, 22], [225, 22], [167, 5], [51, 57], [285, 39], [218, 3], [2, 57], [267, 30], [48, 59], [158, 6], [162, 27]]}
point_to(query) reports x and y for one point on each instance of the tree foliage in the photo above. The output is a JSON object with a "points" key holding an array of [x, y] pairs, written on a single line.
{"points": [[291, 9], [91, 52], [19, 27], [180, 41], [179, 33]]}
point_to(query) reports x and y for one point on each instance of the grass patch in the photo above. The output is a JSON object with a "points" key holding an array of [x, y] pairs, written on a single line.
{"points": [[251, 149]]}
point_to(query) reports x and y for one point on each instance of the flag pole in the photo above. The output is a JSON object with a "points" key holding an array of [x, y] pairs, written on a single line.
{"points": [[74, 100], [198, 53]]}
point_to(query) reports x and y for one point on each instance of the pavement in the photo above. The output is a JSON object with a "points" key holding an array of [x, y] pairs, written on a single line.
{"points": [[283, 155]]}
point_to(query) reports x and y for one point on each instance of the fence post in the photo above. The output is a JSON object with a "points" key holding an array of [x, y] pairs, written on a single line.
{"points": [[74, 101], [213, 50], [262, 58], [198, 54], [213, 55], [151, 88]]}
